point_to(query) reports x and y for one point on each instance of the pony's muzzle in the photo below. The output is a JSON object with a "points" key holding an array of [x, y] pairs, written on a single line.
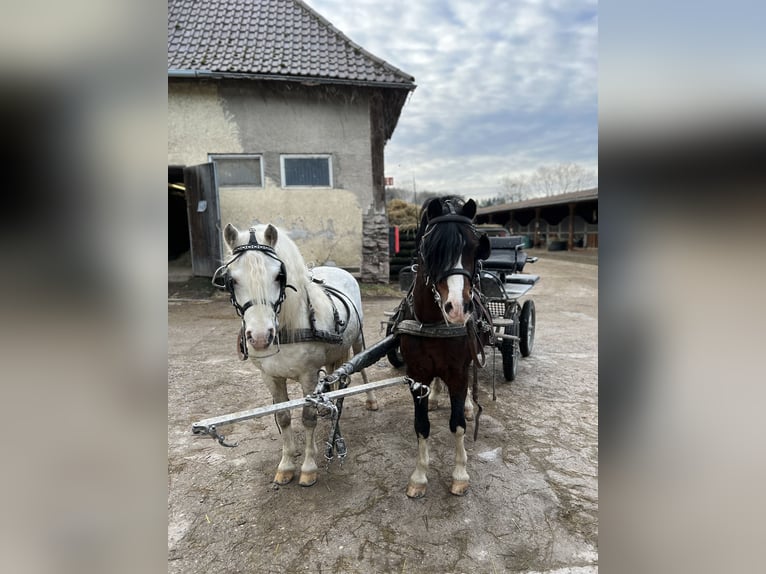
{"points": [[448, 308], [260, 341], [457, 312]]}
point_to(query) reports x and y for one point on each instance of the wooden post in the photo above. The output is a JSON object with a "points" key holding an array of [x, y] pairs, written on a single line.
{"points": [[537, 227], [570, 243]]}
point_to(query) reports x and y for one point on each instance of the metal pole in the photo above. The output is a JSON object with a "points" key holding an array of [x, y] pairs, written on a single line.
{"points": [[207, 425]]}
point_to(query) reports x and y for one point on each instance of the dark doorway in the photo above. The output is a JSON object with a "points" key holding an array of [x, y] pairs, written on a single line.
{"points": [[178, 220]]}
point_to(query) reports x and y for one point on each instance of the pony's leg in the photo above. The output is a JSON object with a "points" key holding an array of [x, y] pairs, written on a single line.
{"points": [[371, 404], [436, 390], [286, 469], [457, 424], [468, 410], [433, 399], [418, 481], [309, 469]]}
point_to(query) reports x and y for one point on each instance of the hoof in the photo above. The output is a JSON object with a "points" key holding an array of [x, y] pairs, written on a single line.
{"points": [[416, 490], [308, 478], [284, 476], [371, 405], [459, 487]]}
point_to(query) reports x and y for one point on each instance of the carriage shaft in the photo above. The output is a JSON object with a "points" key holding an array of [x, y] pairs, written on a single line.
{"points": [[507, 337], [207, 425]]}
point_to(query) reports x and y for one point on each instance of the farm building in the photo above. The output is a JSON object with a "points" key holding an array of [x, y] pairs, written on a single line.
{"points": [[568, 218], [275, 116]]}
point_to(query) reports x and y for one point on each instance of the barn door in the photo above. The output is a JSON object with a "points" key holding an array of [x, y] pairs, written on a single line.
{"points": [[204, 218]]}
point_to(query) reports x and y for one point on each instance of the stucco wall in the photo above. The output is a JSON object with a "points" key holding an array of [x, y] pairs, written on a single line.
{"points": [[252, 117]]}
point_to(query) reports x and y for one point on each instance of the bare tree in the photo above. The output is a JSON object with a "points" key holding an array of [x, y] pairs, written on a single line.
{"points": [[413, 195], [561, 178], [545, 180], [516, 188], [494, 200], [570, 177], [398, 193]]}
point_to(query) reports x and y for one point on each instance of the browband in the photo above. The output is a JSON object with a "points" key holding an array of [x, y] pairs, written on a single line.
{"points": [[450, 217]]}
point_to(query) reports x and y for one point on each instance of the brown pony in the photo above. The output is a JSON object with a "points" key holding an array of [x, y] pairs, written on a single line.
{"points": [[438, 336]]}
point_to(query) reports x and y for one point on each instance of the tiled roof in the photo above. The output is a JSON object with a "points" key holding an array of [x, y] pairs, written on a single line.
{"points": [[283, 39]]}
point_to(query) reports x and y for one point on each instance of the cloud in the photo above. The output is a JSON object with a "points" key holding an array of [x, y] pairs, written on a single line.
{"points": [[503, 87]]}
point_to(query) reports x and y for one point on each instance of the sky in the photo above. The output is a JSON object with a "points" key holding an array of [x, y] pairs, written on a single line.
{"points": [[502, 87]]}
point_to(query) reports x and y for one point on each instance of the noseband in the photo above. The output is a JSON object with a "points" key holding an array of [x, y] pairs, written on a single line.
{"points": [[222, 279]]}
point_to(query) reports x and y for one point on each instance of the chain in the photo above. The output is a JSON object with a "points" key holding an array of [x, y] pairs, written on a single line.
{"points": [[219, 437]]}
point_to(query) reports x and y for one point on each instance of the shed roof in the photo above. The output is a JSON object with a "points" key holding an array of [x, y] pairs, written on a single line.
{"points": [[574, 196], [270, 39]]}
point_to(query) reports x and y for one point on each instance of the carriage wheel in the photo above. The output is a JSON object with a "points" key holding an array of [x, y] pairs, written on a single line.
{"points": [[527, 328], [508, 348]]}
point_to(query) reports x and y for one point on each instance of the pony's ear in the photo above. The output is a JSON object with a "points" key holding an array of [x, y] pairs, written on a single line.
{"points": [[469, 209], [434, 209], [271, 235], [485, 247], [231, 234]]}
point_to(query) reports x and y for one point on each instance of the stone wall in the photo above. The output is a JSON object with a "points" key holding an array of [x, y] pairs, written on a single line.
{"points": [[374, 247]]}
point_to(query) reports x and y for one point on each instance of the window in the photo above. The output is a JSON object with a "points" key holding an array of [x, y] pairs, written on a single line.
{"points": [[238, 170], [306, 170]]}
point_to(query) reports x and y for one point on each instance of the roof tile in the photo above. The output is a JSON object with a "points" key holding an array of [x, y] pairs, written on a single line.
{"points": [[283, 37]]}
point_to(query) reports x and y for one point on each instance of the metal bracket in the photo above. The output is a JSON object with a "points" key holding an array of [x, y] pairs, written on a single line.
{"points": [[324, 406], [415, 387]]}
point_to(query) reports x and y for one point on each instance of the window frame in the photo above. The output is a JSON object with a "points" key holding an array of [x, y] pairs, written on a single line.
{"points": [[326, 156], [212, 157]]}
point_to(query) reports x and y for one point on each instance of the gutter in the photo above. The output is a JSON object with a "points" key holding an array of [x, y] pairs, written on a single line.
{"points": [[306, 80]]}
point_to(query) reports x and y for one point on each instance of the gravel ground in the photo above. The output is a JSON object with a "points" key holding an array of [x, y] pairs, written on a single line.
{"points": [[533, 501]]}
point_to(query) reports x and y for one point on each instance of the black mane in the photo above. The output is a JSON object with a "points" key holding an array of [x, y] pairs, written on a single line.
{"points": [[442, 244]]}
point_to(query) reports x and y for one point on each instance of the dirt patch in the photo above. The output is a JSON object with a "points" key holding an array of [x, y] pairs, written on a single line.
{"points": [[533, 500]]}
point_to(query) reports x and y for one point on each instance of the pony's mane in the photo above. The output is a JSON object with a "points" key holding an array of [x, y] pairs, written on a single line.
{"points": [[443, 244], [440, 249]]}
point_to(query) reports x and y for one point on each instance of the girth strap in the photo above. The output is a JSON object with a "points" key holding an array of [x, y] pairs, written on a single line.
{"points": [[306, 335], [437, 330], [314, 334]]}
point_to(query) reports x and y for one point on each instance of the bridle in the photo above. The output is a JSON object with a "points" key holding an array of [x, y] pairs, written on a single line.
{"points": [[455, 218], [222, 279]]}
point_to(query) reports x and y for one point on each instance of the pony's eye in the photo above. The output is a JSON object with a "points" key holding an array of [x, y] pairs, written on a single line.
{"points": [[233, 282]]}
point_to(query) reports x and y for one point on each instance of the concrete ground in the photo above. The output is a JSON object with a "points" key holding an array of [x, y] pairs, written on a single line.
{"points": [[533, 501]]}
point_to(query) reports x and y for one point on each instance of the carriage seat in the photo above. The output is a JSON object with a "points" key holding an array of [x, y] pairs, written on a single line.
{"points": [[507, 254]]}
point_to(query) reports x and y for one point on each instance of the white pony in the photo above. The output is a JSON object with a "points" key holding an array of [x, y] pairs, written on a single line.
{"points": [[294, 323]]}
